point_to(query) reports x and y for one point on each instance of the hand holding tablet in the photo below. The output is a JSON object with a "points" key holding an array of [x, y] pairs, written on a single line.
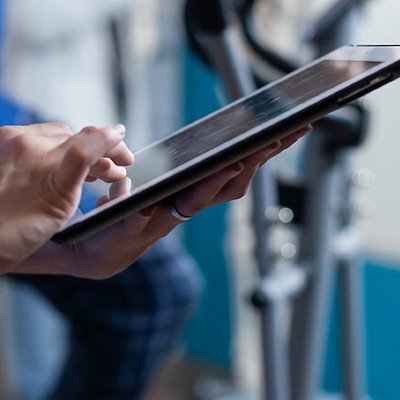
{"points": [[111, 250]]}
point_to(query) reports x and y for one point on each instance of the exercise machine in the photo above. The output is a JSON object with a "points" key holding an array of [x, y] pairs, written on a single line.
{"points": [[318, 207]]}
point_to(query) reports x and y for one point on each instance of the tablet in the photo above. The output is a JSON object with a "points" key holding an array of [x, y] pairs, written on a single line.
{"points": [[237, 130]]}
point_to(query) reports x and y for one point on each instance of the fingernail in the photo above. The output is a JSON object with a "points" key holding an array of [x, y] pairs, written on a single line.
{"points": [[306, 129], [120, 188], [147, 212], [118, 127], [236, 169], [271, 148], [275, 145]]}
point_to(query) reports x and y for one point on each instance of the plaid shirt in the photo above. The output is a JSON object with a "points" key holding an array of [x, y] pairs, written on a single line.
{"points": [[122, 327]]}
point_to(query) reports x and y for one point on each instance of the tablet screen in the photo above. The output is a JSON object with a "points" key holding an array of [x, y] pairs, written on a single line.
{"points": [[235, 122], [206, 136]]}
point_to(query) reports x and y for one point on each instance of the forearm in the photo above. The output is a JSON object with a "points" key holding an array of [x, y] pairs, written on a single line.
{"points": [[97, 259], [51, 259]]}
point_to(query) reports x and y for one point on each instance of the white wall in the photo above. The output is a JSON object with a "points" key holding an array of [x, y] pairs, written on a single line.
{"points": [[381, 152]]}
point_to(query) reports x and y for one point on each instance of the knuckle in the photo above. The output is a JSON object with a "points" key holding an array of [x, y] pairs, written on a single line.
{"points": [[7, 132], [90, 129], [19, 145], [102, 134]]}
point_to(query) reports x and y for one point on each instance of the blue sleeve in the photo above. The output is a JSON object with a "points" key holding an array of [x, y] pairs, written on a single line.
{"points": [[12, 113]]}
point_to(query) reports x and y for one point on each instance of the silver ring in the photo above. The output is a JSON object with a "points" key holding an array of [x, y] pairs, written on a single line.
{"points": [[177, 215]]}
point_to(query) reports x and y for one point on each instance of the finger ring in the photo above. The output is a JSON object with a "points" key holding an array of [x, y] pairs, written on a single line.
{"points": [[177, 215]]}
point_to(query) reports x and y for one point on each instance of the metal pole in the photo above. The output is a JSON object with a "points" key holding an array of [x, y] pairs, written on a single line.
{"points": [[310, 309], [325, 176], [350, 277], [237, 82], [226, 54]]}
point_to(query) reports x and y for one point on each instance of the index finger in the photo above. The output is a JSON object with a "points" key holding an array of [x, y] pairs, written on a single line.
{"points": [[83, 150]]}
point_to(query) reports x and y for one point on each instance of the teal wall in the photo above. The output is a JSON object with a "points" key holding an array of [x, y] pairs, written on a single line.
{"points": [[382, 319], [209, 335]]}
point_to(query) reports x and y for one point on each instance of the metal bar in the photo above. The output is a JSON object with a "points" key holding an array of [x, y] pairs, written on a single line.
{"points": [[225, 52], [326, 175], [310, 309], [353, 331]]}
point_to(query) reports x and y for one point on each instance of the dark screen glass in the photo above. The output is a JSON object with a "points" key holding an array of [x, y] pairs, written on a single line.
{"points": [[157, 161], [241, 117]]}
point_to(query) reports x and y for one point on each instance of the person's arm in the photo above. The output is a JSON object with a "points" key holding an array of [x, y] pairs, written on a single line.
{"points": [[112, 250]]}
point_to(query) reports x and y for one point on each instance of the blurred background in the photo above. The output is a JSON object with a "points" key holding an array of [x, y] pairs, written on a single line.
{"points": [[86, 62]]}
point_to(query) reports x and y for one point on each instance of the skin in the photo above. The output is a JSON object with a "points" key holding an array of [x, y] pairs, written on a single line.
{"points": [[42, 170]]}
